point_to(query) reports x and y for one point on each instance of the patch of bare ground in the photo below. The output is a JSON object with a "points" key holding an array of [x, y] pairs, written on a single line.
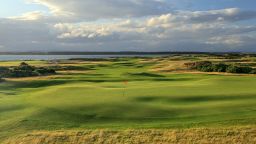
{"points": [[64, 72], [242, 135], [59, 74], [34, 78], [209, 73], [170, 66], [180, 68], [72, 62]]}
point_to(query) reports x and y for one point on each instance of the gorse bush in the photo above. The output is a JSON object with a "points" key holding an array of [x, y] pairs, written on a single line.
{"points": [[25, 67], [206, 66], [236, 69], [219, 67], [25, 70], [44, 71]]}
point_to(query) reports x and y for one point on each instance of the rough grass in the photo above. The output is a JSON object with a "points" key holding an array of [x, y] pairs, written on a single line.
{"points": [[245, 135]]}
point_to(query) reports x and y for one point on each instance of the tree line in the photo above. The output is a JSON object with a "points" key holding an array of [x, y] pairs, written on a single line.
{"points": [[24, 70], [207, 66]]}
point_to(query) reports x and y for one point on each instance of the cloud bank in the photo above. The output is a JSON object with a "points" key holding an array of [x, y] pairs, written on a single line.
{"points": [[131, 25]]}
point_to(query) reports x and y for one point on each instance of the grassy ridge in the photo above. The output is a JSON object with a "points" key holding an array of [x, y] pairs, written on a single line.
{"points": [[97, 97]]}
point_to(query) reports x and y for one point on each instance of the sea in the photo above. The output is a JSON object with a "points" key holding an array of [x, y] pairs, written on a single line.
{"points": [[60, 57]]}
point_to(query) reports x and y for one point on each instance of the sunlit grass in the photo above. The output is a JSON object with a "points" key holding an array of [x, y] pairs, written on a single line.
{"points": [[124, 94]]}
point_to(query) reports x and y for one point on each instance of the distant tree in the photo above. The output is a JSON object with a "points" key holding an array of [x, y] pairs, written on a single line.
{"points": [[24, 64], [232, 69], [26, 70], [236, 69], [26, 67], [219, 67], [3, 71], [206, 66], [1, 79], [253, 71], [45, 71]]}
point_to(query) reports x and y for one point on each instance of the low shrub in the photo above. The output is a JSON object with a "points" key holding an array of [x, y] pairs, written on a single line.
{"points": [[219, 67], [25, 70], [206, 66], [236, 69], [45, 71]]}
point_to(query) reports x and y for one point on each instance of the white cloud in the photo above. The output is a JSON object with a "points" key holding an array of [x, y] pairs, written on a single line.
{"points": [[226, 40], [35, 15], [98, 9], [161, 20], [127, 25], [163, 26]]}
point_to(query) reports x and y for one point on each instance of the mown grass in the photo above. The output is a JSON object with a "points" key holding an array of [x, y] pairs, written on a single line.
{"points": [[99, 97]]}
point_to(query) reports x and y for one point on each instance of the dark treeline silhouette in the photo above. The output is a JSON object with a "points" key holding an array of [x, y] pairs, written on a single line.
{"points": [[25, 70], [207, 66]]}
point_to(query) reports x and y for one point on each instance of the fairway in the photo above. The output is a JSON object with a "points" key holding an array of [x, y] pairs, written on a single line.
{"points": [[125, 93]]}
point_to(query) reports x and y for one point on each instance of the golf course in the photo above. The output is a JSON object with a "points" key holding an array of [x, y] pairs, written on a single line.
{"points": [[135, 99]]}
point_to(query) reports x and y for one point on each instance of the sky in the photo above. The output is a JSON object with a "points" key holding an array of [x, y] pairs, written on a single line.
{"points": [[128, 25]]}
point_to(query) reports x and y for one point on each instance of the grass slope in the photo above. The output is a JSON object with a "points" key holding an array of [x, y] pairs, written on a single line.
{"points": [[97, 97]]}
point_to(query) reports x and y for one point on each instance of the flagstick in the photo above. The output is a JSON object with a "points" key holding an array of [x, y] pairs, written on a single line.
{"points": [[124, 91], [124, 88]]}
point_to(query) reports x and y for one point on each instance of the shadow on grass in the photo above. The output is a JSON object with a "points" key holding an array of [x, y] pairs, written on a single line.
{"points": [[98, 113], [103, 80], [66, 68], [39, 84], [8, 93], [11, 108], [91, 78], [144, 74], [193, 99], [124, 64]]}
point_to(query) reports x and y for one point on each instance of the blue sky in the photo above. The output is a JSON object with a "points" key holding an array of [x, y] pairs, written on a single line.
{"points": [[199, 5], [128, 25], [16, 7], [10, 8]]}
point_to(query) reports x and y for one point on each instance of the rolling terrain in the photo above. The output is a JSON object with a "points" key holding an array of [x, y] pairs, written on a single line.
{"points": [[145, 96]]}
